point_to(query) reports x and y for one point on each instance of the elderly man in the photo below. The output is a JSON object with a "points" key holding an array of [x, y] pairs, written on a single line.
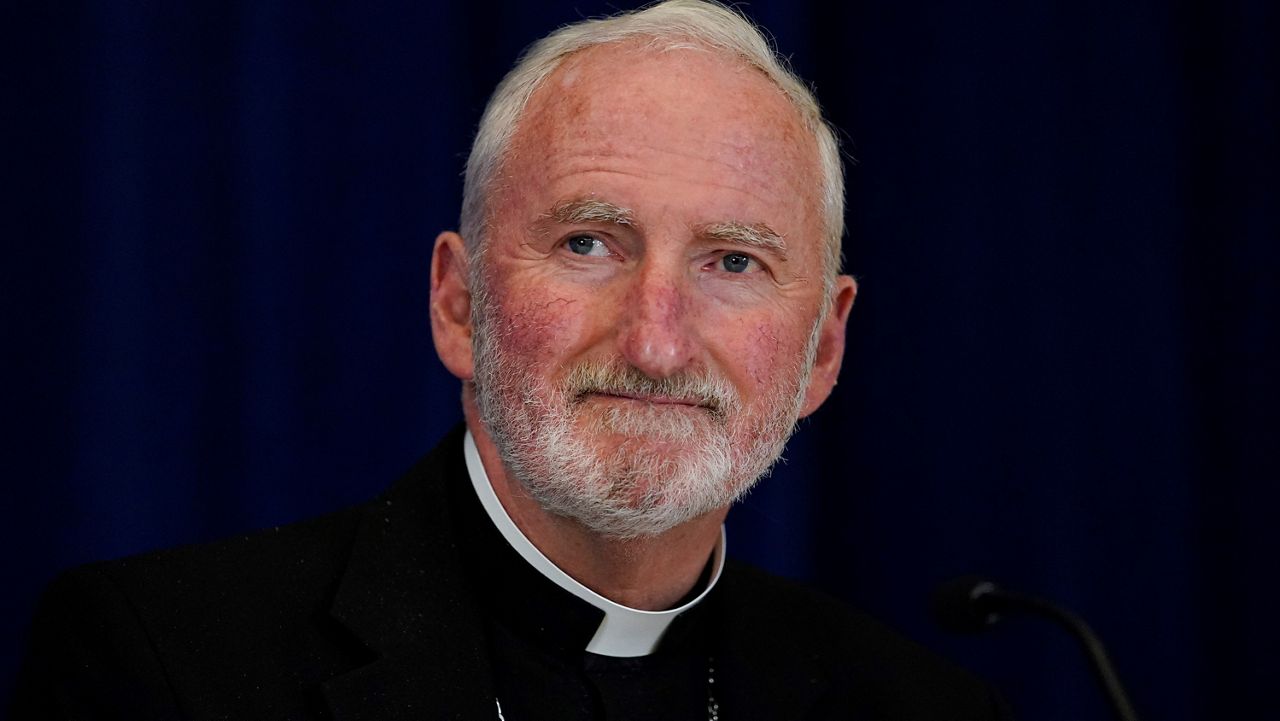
{"points": [[643, 300]]}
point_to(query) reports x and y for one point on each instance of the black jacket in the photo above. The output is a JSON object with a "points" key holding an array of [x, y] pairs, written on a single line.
{"points": [[364, 615]]}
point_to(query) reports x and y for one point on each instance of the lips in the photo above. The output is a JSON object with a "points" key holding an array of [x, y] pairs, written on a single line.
{"points": [[656, 400]]}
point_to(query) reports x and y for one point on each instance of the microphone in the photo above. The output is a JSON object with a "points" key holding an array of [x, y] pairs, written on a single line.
{"points": [[970, 604]]}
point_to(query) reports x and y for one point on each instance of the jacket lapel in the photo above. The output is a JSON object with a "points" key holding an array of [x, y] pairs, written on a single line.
{"points": [[403, 597]]}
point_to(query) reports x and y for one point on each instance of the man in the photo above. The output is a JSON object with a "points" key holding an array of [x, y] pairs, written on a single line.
{"points": [[643, 300]]}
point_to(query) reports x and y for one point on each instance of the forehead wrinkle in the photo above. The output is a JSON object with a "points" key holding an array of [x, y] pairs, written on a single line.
{"points": [[577, 155], [751, 235]]}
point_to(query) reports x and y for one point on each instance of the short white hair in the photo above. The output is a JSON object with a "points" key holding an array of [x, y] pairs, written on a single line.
{"points": [[669, 24]]}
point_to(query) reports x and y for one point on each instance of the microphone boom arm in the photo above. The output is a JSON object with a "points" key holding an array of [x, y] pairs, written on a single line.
{"points": [[999, 600]]}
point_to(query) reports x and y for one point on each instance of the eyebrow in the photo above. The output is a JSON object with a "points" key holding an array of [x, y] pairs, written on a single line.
{"points": [[754, 235], [589, 210]]}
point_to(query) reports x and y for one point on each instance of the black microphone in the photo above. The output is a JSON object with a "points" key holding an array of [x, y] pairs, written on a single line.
{"points": [[970, 604]]}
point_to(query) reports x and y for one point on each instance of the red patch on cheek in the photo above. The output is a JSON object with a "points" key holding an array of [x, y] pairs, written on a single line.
{"points": [[539, 329], [766, 360]]}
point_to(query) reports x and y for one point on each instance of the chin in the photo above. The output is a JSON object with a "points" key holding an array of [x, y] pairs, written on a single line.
{"points": [[671, 427], [626, 486]]}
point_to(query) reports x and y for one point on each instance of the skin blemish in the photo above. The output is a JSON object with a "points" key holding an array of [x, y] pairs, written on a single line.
{"points": [[569, 76]]}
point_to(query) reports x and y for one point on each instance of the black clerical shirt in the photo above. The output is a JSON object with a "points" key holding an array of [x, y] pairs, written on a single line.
{"points": [[537, 633]]}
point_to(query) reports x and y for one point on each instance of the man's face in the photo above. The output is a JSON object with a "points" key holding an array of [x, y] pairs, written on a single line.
{"points": [[647, 303]]}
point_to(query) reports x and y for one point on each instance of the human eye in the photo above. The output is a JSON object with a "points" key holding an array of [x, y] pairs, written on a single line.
{"points": [[739, 263], [587, 245]]}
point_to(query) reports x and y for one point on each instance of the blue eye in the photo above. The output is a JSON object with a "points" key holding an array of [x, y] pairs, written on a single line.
{"points": [[736, 262], [586, 245]]}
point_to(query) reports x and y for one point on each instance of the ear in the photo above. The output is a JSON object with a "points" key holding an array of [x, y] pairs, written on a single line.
{"points": [[451, 305], [826, 366]]}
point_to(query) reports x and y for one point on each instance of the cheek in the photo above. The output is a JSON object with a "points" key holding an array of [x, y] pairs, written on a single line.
{"points": [[760, 354], [538, 328]]}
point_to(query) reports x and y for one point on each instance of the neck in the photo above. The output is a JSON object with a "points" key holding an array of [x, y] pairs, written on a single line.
{"points": [[650, 573]]}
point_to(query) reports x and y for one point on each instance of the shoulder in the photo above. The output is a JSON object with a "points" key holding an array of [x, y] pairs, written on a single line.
{"points": [[273, 568], [247, 619], [251, 579], [867, 666], [131, 634]]}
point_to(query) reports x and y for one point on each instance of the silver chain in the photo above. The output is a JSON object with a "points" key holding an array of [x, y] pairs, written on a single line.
{"points": [[713, 707]]}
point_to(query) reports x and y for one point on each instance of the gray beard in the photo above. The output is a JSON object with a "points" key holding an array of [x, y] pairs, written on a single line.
{"points": [[634, 488]]}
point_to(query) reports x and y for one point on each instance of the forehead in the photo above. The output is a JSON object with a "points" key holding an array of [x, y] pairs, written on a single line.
{"points": [[680, 116]]}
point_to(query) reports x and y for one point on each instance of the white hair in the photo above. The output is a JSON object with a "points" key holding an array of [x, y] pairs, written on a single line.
{"points": [[670, 24]]}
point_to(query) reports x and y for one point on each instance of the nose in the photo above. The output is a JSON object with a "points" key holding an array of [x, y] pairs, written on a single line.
{"points": [[656, 334]]}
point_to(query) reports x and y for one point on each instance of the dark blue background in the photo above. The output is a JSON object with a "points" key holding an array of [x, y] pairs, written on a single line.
{"points": [[1062, 364]]}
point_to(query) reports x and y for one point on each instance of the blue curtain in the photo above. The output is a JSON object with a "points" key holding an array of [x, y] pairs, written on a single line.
{"points": [[1062, 364]]}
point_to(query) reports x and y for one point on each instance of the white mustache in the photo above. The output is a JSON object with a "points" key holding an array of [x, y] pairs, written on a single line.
{"points": [[703, 388]]}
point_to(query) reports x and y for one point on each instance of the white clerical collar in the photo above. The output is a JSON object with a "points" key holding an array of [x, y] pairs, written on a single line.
{"points": [[625, 631]]}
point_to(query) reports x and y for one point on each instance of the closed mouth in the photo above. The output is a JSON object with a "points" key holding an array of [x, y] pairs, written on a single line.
{"points": [[657, 400]]}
